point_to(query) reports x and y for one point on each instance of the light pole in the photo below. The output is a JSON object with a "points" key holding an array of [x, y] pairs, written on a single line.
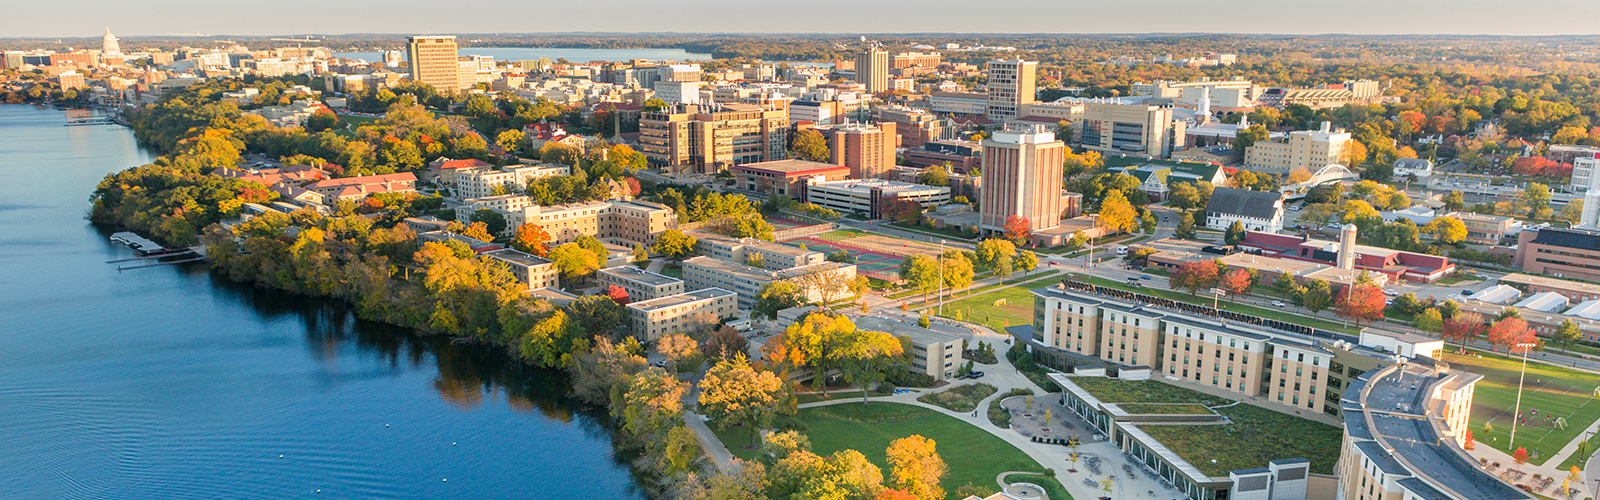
{"points": [[941, 276], [1512, 445], [1217, 293]]}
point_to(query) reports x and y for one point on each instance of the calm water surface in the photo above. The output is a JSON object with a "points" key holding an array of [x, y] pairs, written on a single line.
{"points": [[169, 383]]}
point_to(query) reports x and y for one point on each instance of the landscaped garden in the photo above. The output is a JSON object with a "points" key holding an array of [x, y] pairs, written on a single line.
{"points": [[959, 398], [1165, 409], [1549, 392], [997, 411], [973, 455], [1253, 436]]}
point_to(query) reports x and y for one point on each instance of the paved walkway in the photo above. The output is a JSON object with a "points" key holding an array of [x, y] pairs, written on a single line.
{"points": [[715, 450]]}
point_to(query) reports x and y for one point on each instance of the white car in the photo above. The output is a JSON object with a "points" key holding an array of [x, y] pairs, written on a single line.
{"points": [[1279, 303], [1391, 292]]}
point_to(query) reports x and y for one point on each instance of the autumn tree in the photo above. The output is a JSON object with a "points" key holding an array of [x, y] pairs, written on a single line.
{"points": [[617, 294], [723, 343], [676, 348], [995, 254], [733, 393], [1509, 332], [777, 296], [1116, 214], [1360, 302], [1017, 229], [915, 467], [1463, 327], [531, 238], [921, 272], [574, 261], [1027, 261], [863, 356], [1520, 457], [1429, 321], [1446, 230], [1194, 276], [1237, 282]]}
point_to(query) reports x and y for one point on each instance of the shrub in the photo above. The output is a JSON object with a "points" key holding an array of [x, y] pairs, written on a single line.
{"points": [[962, 398], [997, 412]]}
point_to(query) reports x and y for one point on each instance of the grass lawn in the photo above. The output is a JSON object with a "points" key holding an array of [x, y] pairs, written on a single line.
{"points": [[1165, 409], [1254, 437], [1143, 391], [932, 231], [1333, 326], [1457, 278], [1552, 390], [812, 397], [735, 439], [973, 455], [672, 270], [1016, 310]]}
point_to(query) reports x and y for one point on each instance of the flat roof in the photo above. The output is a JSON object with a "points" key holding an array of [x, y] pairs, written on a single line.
{"points": [[680, 299], [635, 274], [763, 245], [757, 273], [917, 334], [791, 167], [1548, 282], [519, 257]]}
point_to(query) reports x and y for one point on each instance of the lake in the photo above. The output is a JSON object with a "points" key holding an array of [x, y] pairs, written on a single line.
{"points": [[171, 383], [571, 54]]}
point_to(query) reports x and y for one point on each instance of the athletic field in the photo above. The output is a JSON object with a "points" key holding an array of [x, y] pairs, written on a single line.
{"points": [[1550, 393]]}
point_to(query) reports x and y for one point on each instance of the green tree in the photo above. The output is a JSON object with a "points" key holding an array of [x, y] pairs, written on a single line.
{"points": [[921, 272], [494, 222], [1243, 139], [1318, 295], [810, 145], [1185, 226], [1235, 233], [574, 261], [1454, 201], [1027, 261], [777, 296], [1537, 196], [1566, 334], [863, 357], [733, 393], [935, 175], [1429, 321], [673, 244]]}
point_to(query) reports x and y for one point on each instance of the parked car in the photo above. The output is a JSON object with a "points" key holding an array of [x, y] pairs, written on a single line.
{"points": [[976, 374], [1295, 208], [1144, 276], [1279, 303], [1391, 292], [1467, 293]]}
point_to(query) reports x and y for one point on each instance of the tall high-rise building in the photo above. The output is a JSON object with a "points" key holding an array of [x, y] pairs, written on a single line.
{"points": [[433, 61], [872, 69], [867, 149], [1011, 84], [1021, 176], [109, 45]]}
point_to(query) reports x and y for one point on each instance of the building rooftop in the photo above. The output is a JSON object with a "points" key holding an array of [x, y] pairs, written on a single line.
{"points": [[917, 334], [1244, 202], [1548, 282], [759, 274], [791, 167], [680, 299], [635, 274], [518, 257], [1547, 302]]}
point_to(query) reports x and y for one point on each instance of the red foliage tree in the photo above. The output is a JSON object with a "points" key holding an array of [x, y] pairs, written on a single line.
{"points": [[633, 185], [1540, 166], [1509, 332], [1467, 441], [1236, 282], [531, 238], [617, 294], [1360, 302], [1018, 228], [1463, 328], [902, 210], [1520, 456], [1195, 275]]}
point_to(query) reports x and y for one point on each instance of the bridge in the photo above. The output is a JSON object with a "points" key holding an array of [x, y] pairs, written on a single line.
{"points": [[1328, 174]]}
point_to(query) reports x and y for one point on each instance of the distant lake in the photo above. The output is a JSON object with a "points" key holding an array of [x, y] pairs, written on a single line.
{"points": [[571, 54]]}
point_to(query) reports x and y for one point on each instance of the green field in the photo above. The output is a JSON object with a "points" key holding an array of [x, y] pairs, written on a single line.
{"points": [[1143, 391], [1164, 409], [973, 455], [1016, 310], [1552, 390]]}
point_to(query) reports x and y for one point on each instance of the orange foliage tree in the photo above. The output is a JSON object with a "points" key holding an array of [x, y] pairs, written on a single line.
{"points": [[1360, 302], [531, 239]]}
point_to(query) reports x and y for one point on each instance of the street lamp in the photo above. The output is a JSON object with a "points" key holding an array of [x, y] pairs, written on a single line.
{"points": [[1518, 415], [1217, 293]]}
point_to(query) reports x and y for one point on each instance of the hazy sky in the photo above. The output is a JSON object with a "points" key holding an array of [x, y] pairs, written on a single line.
{"points": [[163, 17]]}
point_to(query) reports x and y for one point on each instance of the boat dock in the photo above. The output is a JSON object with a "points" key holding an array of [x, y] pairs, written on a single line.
{"points": [[138, 243]]}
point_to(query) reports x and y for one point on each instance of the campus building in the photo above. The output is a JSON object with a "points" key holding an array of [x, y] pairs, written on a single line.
{"points": [[786, 177], [1255, 210], [775, 256], [1559, 252], [481, 181], [534, 271], [705, 272], [433, 61], [1010, 86], [867, 149], [1395, 265], [622, 222], [1121, 127], [872, 69], [1404, 427], [710, 138], [870, 197], [1276, 361], [1022, 170], [934, 354], [681, 313], [640, 284], [357, 188], [1308, 149]]}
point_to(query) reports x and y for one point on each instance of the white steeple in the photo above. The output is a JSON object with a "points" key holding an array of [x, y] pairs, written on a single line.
{"points": [[1203, 109]]}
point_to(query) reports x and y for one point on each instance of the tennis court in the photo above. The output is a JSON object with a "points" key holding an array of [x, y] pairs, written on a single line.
{"points": [[874, 263], [779, 223]]}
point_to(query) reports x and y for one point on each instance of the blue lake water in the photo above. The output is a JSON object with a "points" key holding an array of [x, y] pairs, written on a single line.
{"points": [[170, 383]]}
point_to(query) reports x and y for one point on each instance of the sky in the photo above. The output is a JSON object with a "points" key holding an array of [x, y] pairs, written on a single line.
{"points": [[86, 18]]}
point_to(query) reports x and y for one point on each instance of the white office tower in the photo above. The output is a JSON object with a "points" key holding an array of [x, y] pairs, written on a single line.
{"points": [[1347, 247]]}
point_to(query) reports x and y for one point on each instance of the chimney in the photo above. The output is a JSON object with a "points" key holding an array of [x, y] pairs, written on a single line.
{"points": [[1347, 246]]}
